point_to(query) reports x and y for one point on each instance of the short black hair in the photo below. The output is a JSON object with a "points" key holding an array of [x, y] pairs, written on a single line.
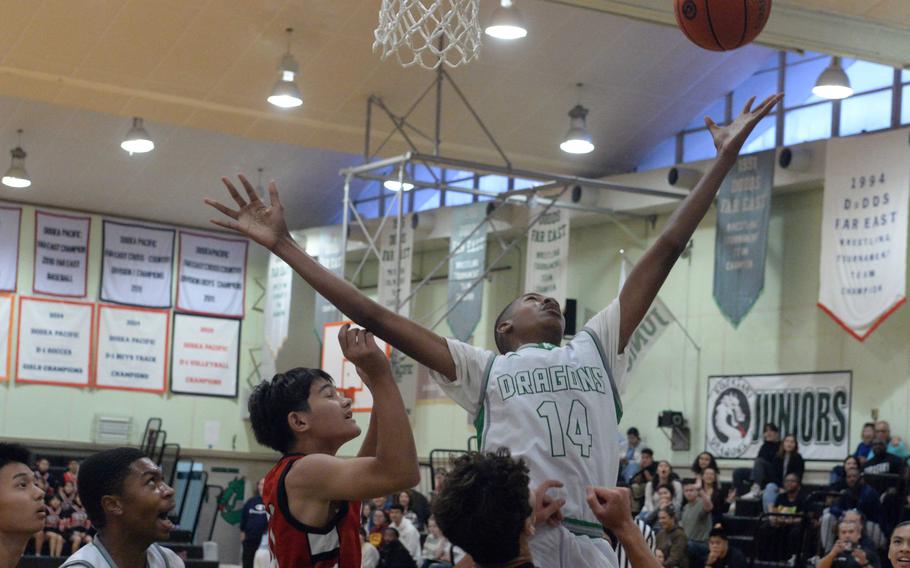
{"points": [[393, 529], [14, 453], [397, 507], [870, 425], [272, 401], [670, 511], [771, 426], [103, 474], [500, 339], [648, 451], [492, 490], [633, 431], [718, 532]]}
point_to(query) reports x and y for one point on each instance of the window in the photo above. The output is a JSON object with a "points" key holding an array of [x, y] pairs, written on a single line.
{"points": [[764, 137], [663, 155], [866, 76], [458, 178], [762, 85], [800, 79], [493, 183], [698, 146], [368, 209], [865, 113], [716, 110], [809, 123], [425, 199], [905, 106]]}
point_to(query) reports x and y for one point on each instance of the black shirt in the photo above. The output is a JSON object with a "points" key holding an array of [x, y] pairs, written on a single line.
{"points": [[733, 559], [886, 463], [395, 555], [768, 451], [253, 521], [795, 505]]}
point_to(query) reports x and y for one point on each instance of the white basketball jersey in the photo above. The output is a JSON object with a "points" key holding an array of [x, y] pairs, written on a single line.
{"points": [[557, 408]]}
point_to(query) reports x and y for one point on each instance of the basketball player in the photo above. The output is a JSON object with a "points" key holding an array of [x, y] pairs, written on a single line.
{"points": [[312, 497], [128, 502], [556, 407], [22, 509]]}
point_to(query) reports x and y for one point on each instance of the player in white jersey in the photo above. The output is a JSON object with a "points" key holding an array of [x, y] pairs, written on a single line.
{"points": [[529, 330]]}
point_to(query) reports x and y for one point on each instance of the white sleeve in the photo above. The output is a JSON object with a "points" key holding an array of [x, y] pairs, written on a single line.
{"points": [[648, 505], [471, 365], [605, 326]]}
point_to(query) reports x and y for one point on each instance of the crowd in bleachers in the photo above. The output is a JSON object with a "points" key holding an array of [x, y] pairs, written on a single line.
{"points": [[66, 526]]}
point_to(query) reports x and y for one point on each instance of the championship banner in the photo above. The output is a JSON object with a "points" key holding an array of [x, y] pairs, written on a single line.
{"points": [[132, 349], [137, 265], [815, 407], [394, 285], [55, 342], [61, 254], [277, 304], [652, 326], [547, 265], [466, 264], [741, 239], [205, 359], [327, 248], [6, 335], [864, 230], [10, 218], [211, 275]]}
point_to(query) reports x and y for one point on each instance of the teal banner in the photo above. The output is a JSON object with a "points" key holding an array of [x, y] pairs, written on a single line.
{"points": [[466, 265]]}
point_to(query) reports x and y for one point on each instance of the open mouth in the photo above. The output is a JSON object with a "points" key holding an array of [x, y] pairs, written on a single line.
{"points": [[165, 522]]}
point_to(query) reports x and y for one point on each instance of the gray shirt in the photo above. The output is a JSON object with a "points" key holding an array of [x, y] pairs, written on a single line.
{"points": [[696, 521]]}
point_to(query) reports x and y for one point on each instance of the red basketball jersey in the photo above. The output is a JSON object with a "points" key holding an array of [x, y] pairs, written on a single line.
{"points": [[295, 545]]}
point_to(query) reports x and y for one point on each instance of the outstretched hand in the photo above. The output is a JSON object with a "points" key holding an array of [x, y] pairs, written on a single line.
{"points": [[258, 221], [730, 139], [359, 347]]}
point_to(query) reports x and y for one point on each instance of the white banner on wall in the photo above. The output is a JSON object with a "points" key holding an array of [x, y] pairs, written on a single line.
{"points": [[277, 304], [205, 356], [6, 335], [815, 407], [344, 373], [864, 230], [61, 254], [10, 220], [55, 342], [547, 262], [137, 265], [211, 275], [132, 349], [395, 286]]}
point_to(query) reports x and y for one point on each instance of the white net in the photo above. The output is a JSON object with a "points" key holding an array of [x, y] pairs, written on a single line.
{"points": [[429, 32]]}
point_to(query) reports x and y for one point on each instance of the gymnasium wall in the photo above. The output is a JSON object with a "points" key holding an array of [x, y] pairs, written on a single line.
{"points": [[66, 414]]}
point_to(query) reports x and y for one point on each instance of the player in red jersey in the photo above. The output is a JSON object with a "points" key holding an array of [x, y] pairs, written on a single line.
{"points": [[312, 497]]}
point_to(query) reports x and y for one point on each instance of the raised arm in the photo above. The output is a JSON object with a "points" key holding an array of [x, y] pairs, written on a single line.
{"points": [[652, 269], [394, 467], [612, 509], [265, 224]]}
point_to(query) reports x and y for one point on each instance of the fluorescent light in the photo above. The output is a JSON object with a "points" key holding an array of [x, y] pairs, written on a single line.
{"points": [[507, 22], [578, 139], [395, 185], [833, 83], [137, 140]]}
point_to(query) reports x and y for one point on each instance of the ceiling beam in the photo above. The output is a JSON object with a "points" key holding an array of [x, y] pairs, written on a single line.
{"points": [[791, 28]]}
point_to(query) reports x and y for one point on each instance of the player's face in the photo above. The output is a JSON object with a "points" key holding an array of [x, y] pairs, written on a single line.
{"points": [[145, 503], [330, 416], [21, 501], [537, 318], [899, 549]]}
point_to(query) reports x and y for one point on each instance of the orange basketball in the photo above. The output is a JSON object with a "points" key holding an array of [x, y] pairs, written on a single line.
{"points": [[721, 25]]}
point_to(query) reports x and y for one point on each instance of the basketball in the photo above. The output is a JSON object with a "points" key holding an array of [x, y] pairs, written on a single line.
{"points": [[721, 25]]}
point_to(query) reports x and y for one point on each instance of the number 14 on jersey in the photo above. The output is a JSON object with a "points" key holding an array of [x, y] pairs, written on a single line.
{"points": [[576, 428]]}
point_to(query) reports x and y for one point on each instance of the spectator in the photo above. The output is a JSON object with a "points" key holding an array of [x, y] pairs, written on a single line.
{"points": [[847, 552], [439, 481], [381, 503], [721, 503], [407, 532], [404, 499], [392, 553], [894, 445], [647, 471], [792, 499], [254, 522], [369, 554], [437, 550], [864, 448], [43, 470], [671, 540], [855, 495], [763, 466], [786, 530], [77, 526], [72, 472], [899, 548], [629, 463], [696, 521], [664, 499], [702, 462], [837, 479], [127, 500], [664, 477], [53, 527], [21, 503], [379, 523], [366, 515], [787, 461], [720, 554], [881, 461], [67, 496]]}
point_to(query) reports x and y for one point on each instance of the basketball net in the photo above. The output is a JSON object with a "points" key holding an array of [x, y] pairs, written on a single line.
{"points": [[429, 32]]}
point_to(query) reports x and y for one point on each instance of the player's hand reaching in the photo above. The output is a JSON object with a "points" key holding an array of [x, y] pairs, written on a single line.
{"points": [[547, 509], [729, 139], [359, 347], [612, 507], [258, 221]]}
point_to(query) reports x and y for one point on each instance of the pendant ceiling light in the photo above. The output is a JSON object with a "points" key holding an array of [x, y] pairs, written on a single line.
{"points": [[395, 185], [833, 83], [286, 94], [578, 139], [507, 22], [16, 176], [137, 140]]}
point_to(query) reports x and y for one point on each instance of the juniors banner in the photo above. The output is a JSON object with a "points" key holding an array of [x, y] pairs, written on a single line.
{"points": [[55, 342], [6, 335], [548, 255], [212, 275], [652, 326], [741, 239], [61, 254], [864, 230], [132, 349], [466, 264], [815, 407], [206, 355], [9, 247], [395, 284], [137, 265], [327, 248]]}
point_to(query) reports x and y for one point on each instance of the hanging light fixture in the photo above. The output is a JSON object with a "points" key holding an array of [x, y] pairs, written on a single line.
{"points": [[507, 22], [137, 140], [16, 176], [833, 83], [286, 94], [395, 185], [578, 139]]}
